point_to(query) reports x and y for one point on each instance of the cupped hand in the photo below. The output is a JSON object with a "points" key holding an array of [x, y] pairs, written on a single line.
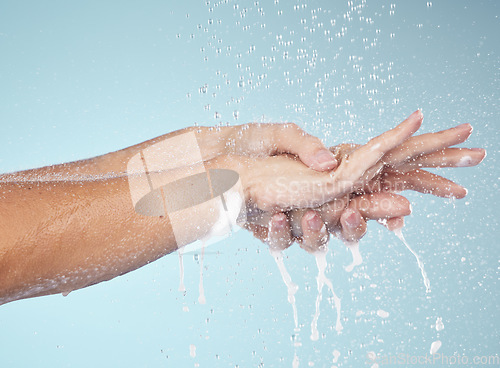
{"points": [[345, 217]]}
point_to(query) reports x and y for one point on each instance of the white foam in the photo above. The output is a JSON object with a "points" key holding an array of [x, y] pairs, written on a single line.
{"points": [[356, 256], [464, 161], [382, 313], [182, 288], [192, 350], [427, 283], [435, 346], [439, 324], [321, 280], [291, 287], [201, 289], [336, 355]]}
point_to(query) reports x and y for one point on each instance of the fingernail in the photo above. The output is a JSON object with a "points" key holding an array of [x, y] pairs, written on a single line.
{"points": [[278, 223], [325, 159], [417, 115], [314, 222], [466, 125], [482, 151], [352, 220]]}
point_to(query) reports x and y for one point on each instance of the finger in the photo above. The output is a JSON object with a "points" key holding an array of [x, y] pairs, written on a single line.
{"points": [[279, 235], [331, 211], [393, 223], [353, 225], [272, 139], [369, 154], [449, 157], [427, 143], [381, 205], [424, 182], [342, 150], [258, 231], [290, 138], [315, 236], [378, 146]]}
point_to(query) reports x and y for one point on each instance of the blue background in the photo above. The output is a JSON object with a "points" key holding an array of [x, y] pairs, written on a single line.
{"points": [[78, 79]]}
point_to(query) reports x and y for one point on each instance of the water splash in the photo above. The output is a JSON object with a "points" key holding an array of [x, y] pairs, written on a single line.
{"points": [[439, 324], [291, 287], [356, 255], [321, 280], [182, 288], [435, 346], [201, 297], [399, 234]]}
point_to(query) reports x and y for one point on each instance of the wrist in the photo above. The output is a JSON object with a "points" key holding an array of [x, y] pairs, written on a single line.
{"points": [[240, 165], [214, 141]]}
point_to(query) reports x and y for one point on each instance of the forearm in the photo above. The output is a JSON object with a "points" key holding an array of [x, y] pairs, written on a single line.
{"points": [[211, 143], [65, 235], [58, 237]]}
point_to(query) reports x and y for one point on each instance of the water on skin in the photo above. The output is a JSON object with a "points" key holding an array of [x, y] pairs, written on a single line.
{"points": [[464, 161], [427, 283], [321, 280]]}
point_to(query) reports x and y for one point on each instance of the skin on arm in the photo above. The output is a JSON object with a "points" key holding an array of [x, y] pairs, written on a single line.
{"points": [[72, 225], [253, 140], [68, 226]]}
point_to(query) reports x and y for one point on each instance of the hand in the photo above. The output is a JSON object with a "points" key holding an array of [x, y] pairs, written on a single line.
{"points": [[258, 141], [395, 171], [280, 183], [347, 218]]}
